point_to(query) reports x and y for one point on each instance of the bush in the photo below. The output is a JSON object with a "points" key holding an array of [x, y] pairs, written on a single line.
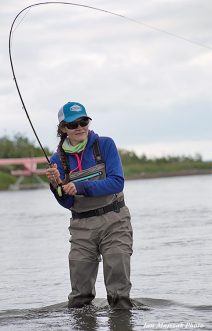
{"points": [[19, 146], [6, 180]]}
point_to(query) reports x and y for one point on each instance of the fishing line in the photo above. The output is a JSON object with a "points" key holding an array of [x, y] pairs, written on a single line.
{"points": [[21, 20], [88, 7]]}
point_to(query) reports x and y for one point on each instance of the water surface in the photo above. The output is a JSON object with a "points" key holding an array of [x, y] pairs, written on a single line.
{"points": [[171, 264]]}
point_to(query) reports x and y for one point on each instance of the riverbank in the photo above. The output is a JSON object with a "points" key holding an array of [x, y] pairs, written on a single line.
{"points": [[170, 174], [7, 180], [135, 167], [156, 168]]}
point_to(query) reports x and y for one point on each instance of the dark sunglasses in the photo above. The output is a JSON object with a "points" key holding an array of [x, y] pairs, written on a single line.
{"points": [[74, 125]]}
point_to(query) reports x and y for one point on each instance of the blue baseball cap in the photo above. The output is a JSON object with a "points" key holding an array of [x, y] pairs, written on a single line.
{"points": [[71, 111]]}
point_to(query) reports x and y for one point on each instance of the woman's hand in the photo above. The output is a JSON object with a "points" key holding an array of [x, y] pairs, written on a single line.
{"points": [[70, 189], [53, 175]]}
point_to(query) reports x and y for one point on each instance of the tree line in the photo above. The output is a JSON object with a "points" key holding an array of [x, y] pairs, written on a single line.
{"points": [[20, 146]]}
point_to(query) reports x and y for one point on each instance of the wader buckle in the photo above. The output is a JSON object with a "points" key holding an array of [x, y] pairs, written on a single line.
{"points": [[100, 211], [116, 207]]}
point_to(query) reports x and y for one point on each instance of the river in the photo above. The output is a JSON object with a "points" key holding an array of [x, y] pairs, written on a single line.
{"points": [[171, 263]]}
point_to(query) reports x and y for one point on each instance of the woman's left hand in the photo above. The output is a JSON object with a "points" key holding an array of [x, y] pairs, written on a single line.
{"points": [[70, 189]]}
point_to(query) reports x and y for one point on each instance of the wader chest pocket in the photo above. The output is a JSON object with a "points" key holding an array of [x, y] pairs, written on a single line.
{"points": [[88, 177], [94, 173]]}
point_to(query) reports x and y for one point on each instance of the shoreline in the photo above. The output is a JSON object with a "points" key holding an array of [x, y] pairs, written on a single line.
{"points": [[143, 176], [182, 173]]}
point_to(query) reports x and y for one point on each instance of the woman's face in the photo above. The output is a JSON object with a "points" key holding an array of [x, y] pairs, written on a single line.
{"points": [[79, 134]]}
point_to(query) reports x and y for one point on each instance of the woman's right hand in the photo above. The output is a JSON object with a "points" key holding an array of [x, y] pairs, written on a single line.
{"points": [[53, 174]]}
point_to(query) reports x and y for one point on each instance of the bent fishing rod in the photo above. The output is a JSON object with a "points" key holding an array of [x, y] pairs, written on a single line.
{"points": [[11, 59], [88, 7]]}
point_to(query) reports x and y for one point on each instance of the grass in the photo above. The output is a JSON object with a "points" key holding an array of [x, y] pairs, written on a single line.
{"points": [[6, 180], [152, 168]]}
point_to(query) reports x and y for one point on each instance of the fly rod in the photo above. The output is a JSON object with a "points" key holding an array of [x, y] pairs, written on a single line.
{"points": [[84, 6]]}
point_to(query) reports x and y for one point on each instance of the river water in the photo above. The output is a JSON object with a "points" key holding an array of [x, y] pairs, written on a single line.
{"points": [[171, 263]]}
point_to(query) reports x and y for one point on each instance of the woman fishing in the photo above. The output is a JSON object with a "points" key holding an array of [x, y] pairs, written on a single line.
{"points": [[86, 177]]}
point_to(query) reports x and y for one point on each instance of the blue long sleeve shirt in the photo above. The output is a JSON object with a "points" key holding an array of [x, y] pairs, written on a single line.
{"points": [[112, 184]]}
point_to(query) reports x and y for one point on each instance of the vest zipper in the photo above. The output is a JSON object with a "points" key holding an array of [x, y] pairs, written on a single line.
{"points": [[87, 177]]}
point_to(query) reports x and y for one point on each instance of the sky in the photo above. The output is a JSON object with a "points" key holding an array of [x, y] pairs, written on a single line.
{"points": [[146, 84]]}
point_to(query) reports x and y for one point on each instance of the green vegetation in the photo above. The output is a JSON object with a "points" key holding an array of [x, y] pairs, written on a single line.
{"points": [[19, 146], [142, 167], [6, 180], [134, 166]]}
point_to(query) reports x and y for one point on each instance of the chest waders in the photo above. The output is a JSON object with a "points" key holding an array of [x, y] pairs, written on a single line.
{"points": [[93, 205], [99, 226]]}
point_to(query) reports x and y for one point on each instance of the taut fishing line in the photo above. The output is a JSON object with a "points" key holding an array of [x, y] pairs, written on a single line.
{"points": [[12, 29]]}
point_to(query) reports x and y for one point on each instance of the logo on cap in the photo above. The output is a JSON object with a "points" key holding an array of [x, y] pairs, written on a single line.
{"points": [[75, 108]]}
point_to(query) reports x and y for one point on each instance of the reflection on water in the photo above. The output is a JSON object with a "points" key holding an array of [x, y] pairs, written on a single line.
{"points": [[92, 319], [159, 314], [120, 320], [171, 264]]}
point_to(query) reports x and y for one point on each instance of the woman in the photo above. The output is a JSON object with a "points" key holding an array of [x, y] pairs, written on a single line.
{"points": [[86, 177]]}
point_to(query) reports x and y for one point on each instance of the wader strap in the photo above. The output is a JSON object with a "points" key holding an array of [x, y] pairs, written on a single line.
{"points": [[96, 152], [115, 206]]}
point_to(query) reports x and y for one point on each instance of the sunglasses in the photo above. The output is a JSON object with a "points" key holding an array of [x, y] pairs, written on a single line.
{"points": [[74, 125]]}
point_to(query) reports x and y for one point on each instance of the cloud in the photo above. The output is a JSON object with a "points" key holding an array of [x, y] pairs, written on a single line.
{"points": [[132, 79]]}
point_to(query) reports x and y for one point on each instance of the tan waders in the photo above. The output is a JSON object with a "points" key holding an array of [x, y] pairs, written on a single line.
{"points": [[109, 235]]}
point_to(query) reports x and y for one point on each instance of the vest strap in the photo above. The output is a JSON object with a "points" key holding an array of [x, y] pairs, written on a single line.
{"points": [[96, 152]]}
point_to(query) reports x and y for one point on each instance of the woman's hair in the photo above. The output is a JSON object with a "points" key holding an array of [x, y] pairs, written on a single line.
{"points": [[62, 135]]}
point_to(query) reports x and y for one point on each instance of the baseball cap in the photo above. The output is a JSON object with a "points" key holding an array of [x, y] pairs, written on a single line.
{"points": [[71, 111]]}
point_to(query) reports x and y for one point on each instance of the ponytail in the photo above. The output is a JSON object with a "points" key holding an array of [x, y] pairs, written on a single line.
{"points": [[62, 154]]}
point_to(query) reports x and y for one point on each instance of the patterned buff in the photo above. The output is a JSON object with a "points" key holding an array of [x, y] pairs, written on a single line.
{"points": [[68, 148]]}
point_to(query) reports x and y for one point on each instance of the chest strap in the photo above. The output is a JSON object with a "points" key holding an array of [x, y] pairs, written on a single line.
{"points": [[115, 206], [96, 151]]}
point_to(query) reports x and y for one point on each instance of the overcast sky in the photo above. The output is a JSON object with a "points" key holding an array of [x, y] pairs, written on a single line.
{"points": [[148, 90]]}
